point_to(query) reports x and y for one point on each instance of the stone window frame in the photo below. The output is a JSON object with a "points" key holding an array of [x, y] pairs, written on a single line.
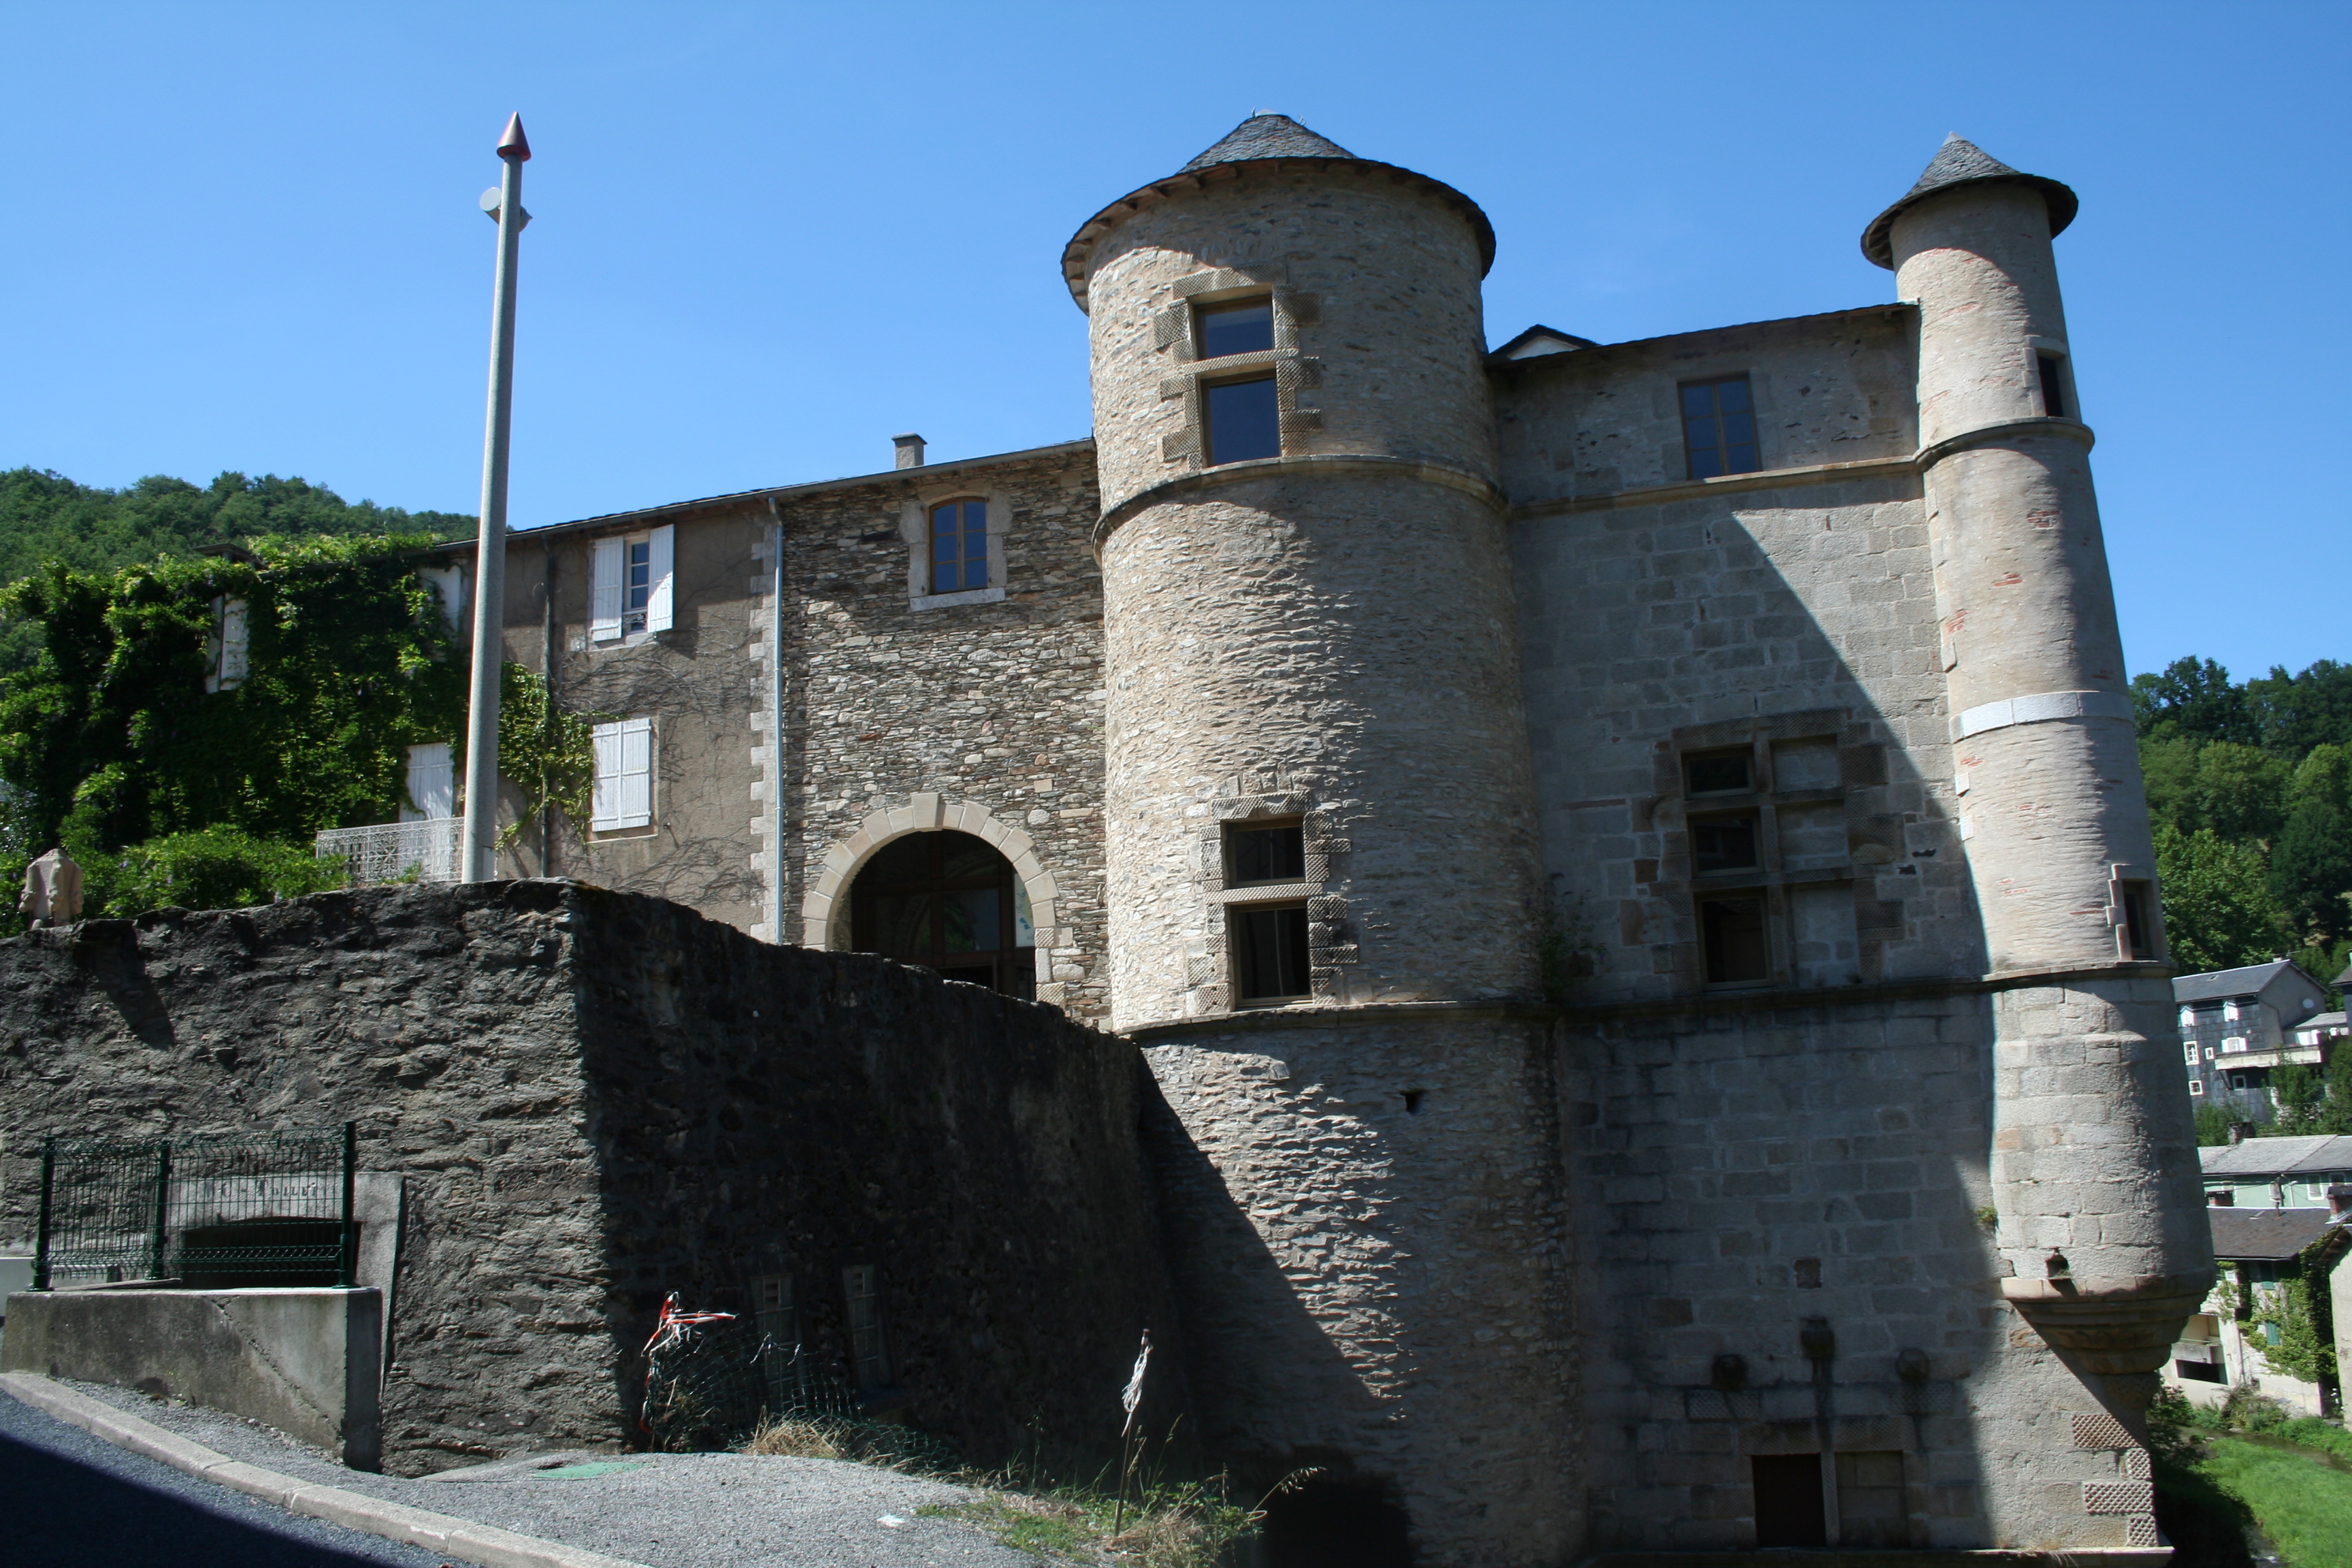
{"points": [[824, 909], [2123, 879], [1172, 334], [1862, 766], [1269, 797], [915, 527]]}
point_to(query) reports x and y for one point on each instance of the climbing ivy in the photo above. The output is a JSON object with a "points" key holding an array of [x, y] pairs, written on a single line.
{"points": [[110, 738], [550, 754]]}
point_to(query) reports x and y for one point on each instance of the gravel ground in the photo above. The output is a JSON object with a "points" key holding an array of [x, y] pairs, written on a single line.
{"points": [[665, 1511], [68, 1496]]}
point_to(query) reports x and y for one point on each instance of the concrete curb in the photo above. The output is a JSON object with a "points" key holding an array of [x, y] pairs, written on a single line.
{"points": [[480, 1544]]}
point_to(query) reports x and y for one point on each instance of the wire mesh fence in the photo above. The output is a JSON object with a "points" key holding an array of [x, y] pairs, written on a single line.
{"points": [[714, 1380], [209, 1213]]}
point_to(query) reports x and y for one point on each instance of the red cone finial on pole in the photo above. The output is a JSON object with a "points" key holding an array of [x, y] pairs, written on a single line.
{"points": [[514, 143]]}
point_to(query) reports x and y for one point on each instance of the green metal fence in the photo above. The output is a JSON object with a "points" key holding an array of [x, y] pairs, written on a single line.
{"points": [[209, 1213]]}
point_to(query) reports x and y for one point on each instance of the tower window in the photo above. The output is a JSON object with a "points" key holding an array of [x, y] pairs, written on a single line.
{"points": [[2140, 929], [1270, 953], [1239, 326], [1732, 933], [1720, 773], [959, 546], [1720, 428], [1276, 854], [1723, 844], [2054, 386], [1242, 420]]}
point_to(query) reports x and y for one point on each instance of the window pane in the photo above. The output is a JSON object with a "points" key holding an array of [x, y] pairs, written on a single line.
{"points": [[1720, 773], [1739, 460], [1244, 327], [1705, 465], [1739, 428], [1268, 854], [1698, 401], [971, 923], [1699, 433], [975, 573], [944, 519], [943, 579], [1270, 953], [945, 548], [1243, 421], [1731, 396], [1723, 844], [1732, 932], [975, 517]]}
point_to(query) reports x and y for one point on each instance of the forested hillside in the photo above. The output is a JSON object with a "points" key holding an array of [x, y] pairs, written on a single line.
{"points": [[46, 517]]}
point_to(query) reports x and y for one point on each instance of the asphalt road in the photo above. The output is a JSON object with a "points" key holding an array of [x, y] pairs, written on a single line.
{"points": [[68, 1498]]}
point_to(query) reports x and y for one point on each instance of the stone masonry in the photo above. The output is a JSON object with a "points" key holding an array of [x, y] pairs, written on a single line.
{"points": [[596, 1097]]}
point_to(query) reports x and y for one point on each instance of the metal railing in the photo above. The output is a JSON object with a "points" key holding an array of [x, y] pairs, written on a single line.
{"points": [[423, 851], [211, 1213]]}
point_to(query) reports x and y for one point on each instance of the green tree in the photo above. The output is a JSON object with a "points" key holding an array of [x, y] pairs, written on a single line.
{"points": [[2311, 868], [2293, 713], [2218, 912], [2168, 765], [110, 739], [47, 520], [2241, 792], [2193, 697]]}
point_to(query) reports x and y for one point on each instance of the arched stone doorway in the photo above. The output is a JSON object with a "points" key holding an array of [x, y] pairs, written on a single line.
{"points": [[948, 902]]}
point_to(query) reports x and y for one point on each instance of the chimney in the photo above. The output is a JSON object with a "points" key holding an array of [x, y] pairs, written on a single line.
{"points": [[2222, 1200], [911, 450], [2238, 1132], [2339, 1199]]}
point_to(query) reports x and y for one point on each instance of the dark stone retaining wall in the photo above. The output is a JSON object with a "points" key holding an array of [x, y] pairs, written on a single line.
{"points": [[598, 1097]]}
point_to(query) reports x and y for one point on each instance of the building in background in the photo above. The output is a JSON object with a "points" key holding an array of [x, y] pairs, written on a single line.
{"points": [[2260, 1254], [2239, 1026]]}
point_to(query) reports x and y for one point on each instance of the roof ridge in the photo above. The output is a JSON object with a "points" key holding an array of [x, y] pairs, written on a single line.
{"points": [[1267, 135]]}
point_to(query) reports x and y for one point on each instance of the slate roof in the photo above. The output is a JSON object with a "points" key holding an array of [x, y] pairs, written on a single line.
{"points": [[2260, 1158], [1268, 136], [2215, 985], [1262, 139], [2266, 1234], [1961, 162]]}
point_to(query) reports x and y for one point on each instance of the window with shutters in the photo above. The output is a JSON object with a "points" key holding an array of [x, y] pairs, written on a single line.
{"points": [[432, 784], [623, 796], [631, 590]]}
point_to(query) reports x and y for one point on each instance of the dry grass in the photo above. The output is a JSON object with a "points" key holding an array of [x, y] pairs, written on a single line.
{"points": [[792, 1437]]}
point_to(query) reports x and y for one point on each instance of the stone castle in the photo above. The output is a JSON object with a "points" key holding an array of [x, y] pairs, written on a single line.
{"points": [[1627, 862]]}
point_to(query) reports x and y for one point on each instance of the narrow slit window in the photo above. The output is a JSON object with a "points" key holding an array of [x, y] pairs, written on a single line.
{"points": [[1276, 854], [1720, 428], [2054, 386], [1238, 327], [1243, 420], [959, 546], [2138, 925], [1270, 953], [1733, 936]]}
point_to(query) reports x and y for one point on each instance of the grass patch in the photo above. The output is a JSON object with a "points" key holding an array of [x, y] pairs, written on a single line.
{"points": [[2302, 1503]]}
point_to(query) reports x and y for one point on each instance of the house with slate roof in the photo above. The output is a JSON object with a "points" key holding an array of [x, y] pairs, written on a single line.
{"points": [[2276, 1172], [2239, 1026], [2259, 1252]]}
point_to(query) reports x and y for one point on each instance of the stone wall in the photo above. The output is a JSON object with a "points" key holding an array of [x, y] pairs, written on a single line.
{"points": [[596, 1097]]}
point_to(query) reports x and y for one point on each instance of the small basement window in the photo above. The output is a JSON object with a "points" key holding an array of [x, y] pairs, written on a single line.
{"points": [[1240, 421], [1733, 934], [1237, 327]]}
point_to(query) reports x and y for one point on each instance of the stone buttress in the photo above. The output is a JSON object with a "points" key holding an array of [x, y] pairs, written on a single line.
{"points": [[1366, 1187], [2103, 1244]]}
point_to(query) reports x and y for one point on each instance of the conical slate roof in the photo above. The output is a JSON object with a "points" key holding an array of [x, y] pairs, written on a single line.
{"points": [[1961, 162], [1262, 141], [1267, 136]]}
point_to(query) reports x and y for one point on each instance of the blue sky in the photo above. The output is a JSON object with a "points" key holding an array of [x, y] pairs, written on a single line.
{"points": [[769, 236]]}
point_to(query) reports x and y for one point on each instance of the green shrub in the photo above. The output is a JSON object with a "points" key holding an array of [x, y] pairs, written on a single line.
{"points": [[214, 868]]}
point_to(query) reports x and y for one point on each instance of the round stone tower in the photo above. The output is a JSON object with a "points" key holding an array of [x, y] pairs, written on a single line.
{"points": [[2102, 1234], [1321, 848]]}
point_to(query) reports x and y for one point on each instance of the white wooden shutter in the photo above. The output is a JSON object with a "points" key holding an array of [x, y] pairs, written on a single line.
{"points": [[432, 783], [660, 557], [603, 811], [604, 591], [625, 775], [636, 791]]}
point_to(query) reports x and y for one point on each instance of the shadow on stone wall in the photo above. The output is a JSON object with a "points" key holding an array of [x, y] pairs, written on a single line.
{"points": [[599, 1097]]}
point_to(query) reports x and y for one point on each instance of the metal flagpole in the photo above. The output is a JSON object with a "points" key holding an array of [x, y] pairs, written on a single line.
{"points": [[505, 204]]}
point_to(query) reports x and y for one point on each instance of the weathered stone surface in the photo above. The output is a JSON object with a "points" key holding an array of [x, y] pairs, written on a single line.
{"points": [[597, 1097]]}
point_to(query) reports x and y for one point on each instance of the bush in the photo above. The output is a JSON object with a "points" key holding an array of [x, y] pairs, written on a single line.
{"points": [[216, 868]]}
